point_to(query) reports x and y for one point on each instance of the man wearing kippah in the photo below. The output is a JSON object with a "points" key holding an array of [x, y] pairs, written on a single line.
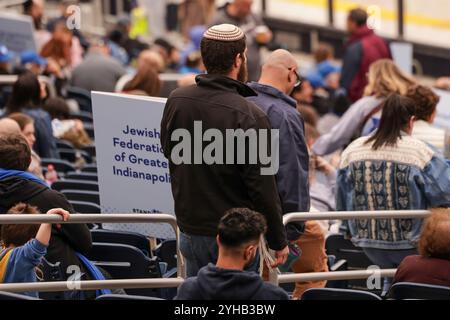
{"points": [[204, 192]]}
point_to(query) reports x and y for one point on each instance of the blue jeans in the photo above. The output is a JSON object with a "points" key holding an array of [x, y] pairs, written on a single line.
{"points": [[198, 251], [387, 259]]}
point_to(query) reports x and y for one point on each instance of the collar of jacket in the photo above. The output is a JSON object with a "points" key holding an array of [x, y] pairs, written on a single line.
{"points": [[359, 34], [271, 91], [224, 83]]}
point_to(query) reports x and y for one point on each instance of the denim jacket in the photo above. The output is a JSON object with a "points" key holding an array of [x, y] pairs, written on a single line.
{"points": [[408, 176]]}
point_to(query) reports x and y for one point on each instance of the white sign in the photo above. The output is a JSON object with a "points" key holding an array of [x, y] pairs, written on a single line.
{"points": [[402, 54], [133, 173], [442, 119], [17, 32]]}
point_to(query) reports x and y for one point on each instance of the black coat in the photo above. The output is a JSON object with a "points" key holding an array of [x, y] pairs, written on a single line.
{"points": [[64, 242], [203, 192]]}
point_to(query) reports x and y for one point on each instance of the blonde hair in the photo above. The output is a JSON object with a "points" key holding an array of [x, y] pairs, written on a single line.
{"points": [[435, 237], [385, 78]]}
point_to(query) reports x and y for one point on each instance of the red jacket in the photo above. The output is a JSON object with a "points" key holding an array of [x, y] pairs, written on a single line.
{"points": [[371, 49]]}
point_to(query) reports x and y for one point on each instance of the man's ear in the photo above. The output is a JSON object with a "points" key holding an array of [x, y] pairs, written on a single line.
{"points": [[238, 61], [218, 240]]}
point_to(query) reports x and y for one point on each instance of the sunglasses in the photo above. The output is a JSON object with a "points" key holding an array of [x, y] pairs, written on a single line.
{"points": [[299, 81]]}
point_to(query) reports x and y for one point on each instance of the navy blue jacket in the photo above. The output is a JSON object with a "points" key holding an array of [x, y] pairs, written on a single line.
{"points": [[213, 283], [292, 176]]}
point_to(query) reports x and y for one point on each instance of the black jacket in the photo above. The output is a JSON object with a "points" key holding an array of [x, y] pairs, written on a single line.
{"points": [[65, 242], [202, 192], [213, 283]]}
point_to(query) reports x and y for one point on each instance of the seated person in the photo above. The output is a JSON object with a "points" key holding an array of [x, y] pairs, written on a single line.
{"points": [[24, 246], [432, 266], [26, 124], [240, 232], [17, 185]]}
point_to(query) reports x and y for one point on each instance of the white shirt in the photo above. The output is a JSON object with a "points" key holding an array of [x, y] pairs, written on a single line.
{"points": [[425, 132]]}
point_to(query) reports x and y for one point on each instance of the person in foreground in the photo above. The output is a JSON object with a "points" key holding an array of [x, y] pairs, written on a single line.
{"points": [[432, 266], [240, 231], [24, 246]]}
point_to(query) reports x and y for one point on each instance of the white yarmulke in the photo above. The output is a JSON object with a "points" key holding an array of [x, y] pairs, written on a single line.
{"points": [[224, 32]]}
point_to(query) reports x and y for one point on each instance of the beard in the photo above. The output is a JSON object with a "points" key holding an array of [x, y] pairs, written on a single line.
{"points": [[243, 72]]}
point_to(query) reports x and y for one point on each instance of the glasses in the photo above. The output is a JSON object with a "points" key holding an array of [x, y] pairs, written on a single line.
{"points": [[299, 81]]}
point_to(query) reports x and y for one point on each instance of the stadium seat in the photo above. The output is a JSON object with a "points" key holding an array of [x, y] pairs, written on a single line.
{"points": [[90, 168], [61, 166], [123, 237], [82, 97], [64, 144], [84, 116], [344, 249], [89, 127], [75, 185], [166, 251], [81, 195], [82, 176], [14, 296], [90, 150], [125, 297], [85, 207], [338, 294], [126, 262], [409, 290]]}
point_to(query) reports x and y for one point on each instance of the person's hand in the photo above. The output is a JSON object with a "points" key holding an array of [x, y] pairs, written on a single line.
{"points": [[323, 165], [280, 257], [64, 213]]}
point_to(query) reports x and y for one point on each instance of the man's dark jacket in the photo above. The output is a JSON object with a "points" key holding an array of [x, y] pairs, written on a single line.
{"points": [[65, 242], [203, 192], [213, 283], [292, 176]]}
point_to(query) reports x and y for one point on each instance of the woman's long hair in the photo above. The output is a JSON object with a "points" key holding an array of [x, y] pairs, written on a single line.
{"points": [[26, 93], [147, 80], [385, 78], [397, 113]]}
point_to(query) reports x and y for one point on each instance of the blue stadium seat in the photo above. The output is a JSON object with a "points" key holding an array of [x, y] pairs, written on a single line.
{"points": [[85, 207], [338, 294], [166, 251], [126, 262], [64, 144], [125, 297], [409, 290], [61, 166], [122, 237], [75, 185], [81, 176], [79, 195], [84, 116], [82, 97], [90, 168]]}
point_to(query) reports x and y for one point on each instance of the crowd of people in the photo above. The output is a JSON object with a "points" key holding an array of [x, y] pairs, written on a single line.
{"points": [[352, 137]]}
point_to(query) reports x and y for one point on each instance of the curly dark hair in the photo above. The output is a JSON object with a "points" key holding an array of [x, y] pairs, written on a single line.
{"points": [[15, 153], [435, 237], [241, 225], [426, 101]]}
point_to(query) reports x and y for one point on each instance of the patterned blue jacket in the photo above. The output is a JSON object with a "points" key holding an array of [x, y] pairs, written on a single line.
{"points": [[408, 176]]}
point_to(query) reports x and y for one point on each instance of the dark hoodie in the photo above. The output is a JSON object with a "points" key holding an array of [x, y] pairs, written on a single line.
{"points": [[213, 283], [64, 242]]}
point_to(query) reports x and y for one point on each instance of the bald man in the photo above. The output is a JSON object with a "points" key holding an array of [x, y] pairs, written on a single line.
{"points": [[278, 79], [8, 126]]}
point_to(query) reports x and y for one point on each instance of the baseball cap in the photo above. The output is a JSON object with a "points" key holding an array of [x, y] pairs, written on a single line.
{"points": [[5, 54], [30, 56]]}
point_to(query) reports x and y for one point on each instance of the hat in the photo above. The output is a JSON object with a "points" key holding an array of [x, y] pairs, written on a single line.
{"points": [[325, 68], [5, 54], [30, 56], [224, 32]]}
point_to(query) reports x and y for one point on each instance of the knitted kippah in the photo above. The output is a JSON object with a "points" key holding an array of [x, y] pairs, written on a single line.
{"points": [[224, 32]]}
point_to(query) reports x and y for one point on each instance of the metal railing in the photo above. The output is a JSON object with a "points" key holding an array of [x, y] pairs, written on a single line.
{"points": [[343, 215], [97, 284], [175, 282]]}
